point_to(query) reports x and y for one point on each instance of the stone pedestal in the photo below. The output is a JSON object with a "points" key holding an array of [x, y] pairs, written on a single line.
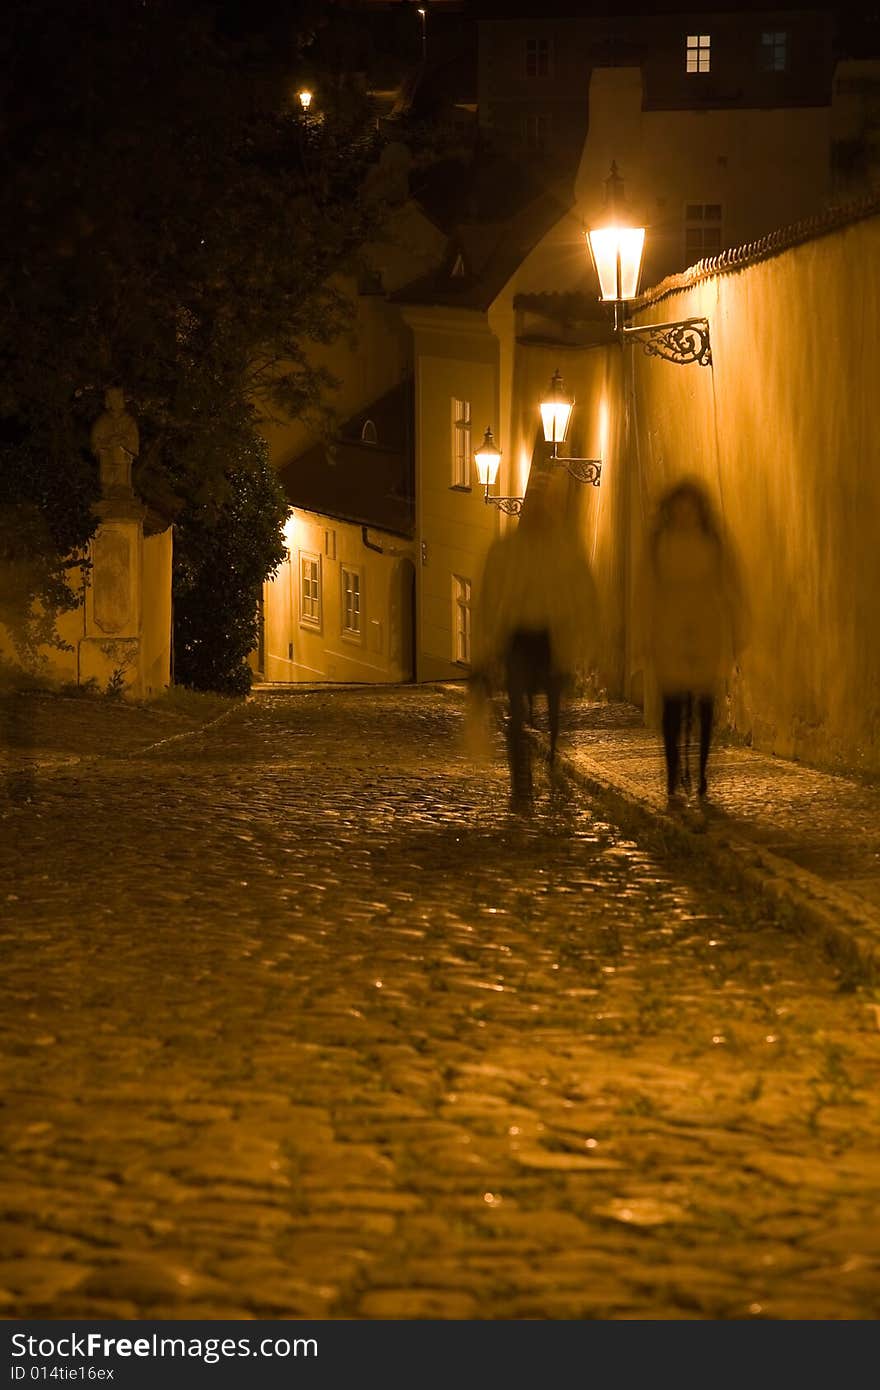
{"points": [[109, 650]]}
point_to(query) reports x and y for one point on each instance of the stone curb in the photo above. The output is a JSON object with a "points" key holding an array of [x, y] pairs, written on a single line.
{"points": [[846, 925]]}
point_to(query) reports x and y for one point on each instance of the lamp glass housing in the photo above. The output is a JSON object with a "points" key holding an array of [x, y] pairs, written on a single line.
{"points": [[556, 408], [617, 255], [305, 99], [488, 460]]}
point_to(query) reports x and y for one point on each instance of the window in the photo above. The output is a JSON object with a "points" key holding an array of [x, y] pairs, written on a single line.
{"points": [[699, 52], [309, 589], [702, 230], [537, 57], [461, 443], [536, 130], [330, 544], [461, 618], [369, 433], [458, 270], [774, 51], [351, 602]]}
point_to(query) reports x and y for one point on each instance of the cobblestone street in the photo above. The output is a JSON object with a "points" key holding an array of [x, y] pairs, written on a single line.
{"points": [[298, 1021]]}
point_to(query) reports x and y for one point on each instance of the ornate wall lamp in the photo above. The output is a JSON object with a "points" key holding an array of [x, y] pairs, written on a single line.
{"points": [[556, 408], [488, 461], [305, 98], [617, 250]]}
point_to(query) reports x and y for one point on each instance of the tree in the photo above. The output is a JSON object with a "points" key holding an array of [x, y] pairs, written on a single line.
{"points": [[223, 549], [171, 223]]}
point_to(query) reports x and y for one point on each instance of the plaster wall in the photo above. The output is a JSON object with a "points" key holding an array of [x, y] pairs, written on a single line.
{"points": [[767, 167], [783, 430], [297, 650], [592, 376], [456, 358]]}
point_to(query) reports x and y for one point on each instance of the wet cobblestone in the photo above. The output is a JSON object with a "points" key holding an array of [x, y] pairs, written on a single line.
{"points": [[299, 1022]]}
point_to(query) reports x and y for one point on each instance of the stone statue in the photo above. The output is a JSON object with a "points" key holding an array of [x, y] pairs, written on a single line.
{"points": [[115, 443]]}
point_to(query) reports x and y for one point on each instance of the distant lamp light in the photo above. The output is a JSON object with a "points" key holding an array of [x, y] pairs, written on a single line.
{"points": [[556, 408], [305, 98], [616, 249], [488, 461]]}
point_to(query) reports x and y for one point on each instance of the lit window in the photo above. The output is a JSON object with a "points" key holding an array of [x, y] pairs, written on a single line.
{"points": [[699, 52], [351, 602], [310, 589], [774, 51], [536, 129], [537, 57], [461, 443], [702, 230], [461, 618]]}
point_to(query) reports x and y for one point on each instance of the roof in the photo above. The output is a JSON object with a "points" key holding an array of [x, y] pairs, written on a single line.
{"points": [[485, 254], [351, 479]]}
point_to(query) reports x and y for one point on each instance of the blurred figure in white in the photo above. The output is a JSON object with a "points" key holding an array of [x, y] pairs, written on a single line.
{"points": [[696, 621], [536, 620]]}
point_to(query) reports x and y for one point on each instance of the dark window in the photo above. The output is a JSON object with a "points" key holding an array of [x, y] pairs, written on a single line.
{"points": [[774, 51], [537, 57]]}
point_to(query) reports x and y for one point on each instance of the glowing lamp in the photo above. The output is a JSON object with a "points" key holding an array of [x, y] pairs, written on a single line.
{"points": [[488, 460], [305, 99], [556, 408], [616, 250], [617, 255]]}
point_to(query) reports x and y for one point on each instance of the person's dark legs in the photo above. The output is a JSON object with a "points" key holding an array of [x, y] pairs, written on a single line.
{"points": [[707, 715], [673, 708], [688, 706]]}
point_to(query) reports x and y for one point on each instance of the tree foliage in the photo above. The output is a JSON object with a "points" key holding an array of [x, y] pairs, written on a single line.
{"points": [[224, 550], [171, 223]]}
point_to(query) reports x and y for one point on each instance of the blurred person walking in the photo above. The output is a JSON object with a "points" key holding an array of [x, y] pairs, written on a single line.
{"points": [[535, 622], [696, 620]]}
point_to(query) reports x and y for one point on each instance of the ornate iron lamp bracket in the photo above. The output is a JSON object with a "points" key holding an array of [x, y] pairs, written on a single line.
{"points": [[682, 343], [512, 506], [582, 470]]}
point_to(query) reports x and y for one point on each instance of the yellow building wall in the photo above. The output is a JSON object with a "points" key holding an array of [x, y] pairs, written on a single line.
{"points": [[456, 359], [299, 651], [783, 430], [766, 167]]}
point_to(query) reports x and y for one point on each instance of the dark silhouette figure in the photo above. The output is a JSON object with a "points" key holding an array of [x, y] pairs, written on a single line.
{"points": [[534, 621], [696, 623]]}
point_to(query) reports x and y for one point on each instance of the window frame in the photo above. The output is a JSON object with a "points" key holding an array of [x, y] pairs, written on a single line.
{"points": [[537, 131], [779, 41], [461, 443], [312, 621], [538, 57], [351, 634], [710, 218], [697, 47], [462, 619]]}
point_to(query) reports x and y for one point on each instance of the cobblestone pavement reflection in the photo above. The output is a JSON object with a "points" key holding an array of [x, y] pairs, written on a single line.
{"points": [[298, 1022]]}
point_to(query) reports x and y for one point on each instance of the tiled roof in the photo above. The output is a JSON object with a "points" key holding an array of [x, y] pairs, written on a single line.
{"points": [[353, 480]]}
